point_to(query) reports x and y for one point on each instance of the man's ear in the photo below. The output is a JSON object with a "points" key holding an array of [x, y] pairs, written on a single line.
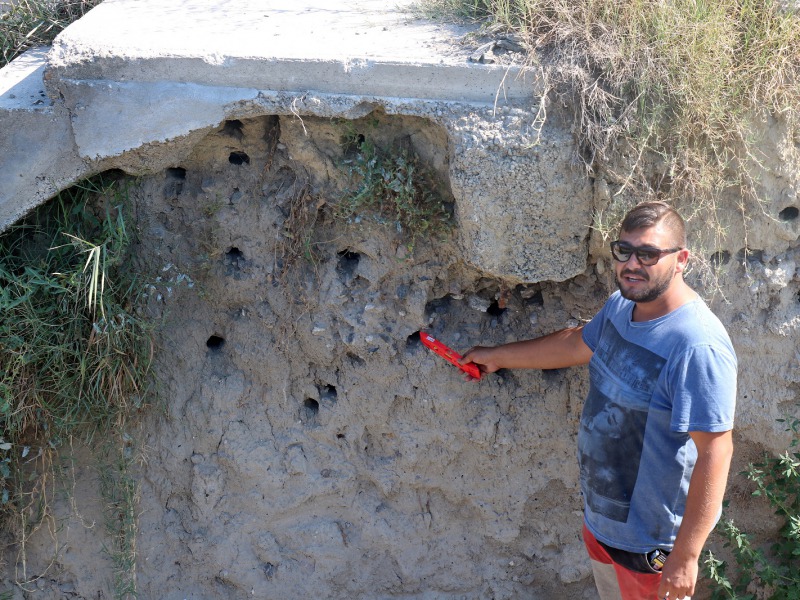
{"points": [[683, 260]]}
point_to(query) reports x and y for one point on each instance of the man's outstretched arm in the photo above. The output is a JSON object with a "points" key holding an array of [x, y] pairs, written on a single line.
{"points": [[564, 348]]}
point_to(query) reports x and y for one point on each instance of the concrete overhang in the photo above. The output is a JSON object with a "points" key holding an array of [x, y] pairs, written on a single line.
{"points": [[363, 47], [138, 72], [136, 83]]}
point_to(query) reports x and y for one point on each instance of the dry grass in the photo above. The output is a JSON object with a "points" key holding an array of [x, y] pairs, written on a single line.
{"points": [[678, 87]]}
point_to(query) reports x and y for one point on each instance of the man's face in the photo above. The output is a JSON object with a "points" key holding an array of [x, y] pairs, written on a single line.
{"points": [[644, 284]]}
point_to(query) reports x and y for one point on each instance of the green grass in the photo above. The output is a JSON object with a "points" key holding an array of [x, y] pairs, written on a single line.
{"points": [[31, 23], [74, 355], [392, 187]]}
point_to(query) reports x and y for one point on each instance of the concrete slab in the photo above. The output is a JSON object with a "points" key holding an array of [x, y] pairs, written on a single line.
{"points": [[365, 47], [136, 84], [38, 156], [21, 84], [137, 72]]}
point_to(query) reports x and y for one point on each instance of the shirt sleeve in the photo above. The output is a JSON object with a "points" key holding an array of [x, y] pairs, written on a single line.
{"points": [[594, 328], [703, 383]]}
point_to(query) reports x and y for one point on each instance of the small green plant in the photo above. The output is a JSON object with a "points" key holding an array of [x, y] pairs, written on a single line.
{"points": [[29, 23], [393, 188], [74, 355], [212, 207], [772, 574]]}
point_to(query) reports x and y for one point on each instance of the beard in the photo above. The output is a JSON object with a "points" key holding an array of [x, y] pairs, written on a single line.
{"points": [[647, 294]]}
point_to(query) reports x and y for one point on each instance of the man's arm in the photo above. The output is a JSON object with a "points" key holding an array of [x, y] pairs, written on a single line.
{"points": [[706, 489], [564, 348]]}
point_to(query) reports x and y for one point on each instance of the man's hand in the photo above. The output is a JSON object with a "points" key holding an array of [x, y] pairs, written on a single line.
{"points": [[481, 356], [678, 578]]}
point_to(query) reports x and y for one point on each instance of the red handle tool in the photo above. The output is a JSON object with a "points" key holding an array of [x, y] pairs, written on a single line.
{"points": [[450, 355]]}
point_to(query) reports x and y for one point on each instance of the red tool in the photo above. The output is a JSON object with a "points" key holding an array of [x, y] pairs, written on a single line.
{"points": [[450, 355]]}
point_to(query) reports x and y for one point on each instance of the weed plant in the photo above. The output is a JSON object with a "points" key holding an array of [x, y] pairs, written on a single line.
{"points": [[676, 87], [74, 356], [297, 239], [30, 23], [772, 574], [393, 188], [120, 490]]}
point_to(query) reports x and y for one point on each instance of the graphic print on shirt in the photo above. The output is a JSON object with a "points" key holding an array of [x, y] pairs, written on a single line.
{"points": [[623, 376]]}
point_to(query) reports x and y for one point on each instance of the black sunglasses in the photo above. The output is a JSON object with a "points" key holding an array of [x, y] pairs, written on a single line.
{"points": [[646, 255]]}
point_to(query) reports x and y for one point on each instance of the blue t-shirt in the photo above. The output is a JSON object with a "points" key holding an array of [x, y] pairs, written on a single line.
{"points": [[650, 384]]}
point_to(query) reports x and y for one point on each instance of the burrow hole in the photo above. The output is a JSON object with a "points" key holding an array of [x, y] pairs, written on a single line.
{"points": [[790, 213], [176, 176], [176, 173], [494, 309], [239, 158], [309, 413], [215, 343], [348, 260], [719, 259], [328, 393], [351, 144], [413, 342], [348, 263], [233, 256], [233, 128]]}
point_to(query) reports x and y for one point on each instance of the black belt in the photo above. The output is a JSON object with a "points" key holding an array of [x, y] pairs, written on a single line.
{"points": [[648, 562]]}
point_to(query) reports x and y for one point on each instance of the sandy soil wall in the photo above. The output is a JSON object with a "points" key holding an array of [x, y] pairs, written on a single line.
{"points": [[310, 447]]}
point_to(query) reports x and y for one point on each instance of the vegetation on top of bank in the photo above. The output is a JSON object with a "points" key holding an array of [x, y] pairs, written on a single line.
{"points": [[675, 86], [30, 23]]}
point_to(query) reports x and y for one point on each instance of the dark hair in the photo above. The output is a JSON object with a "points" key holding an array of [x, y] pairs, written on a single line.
{"points": [[650, 214]]}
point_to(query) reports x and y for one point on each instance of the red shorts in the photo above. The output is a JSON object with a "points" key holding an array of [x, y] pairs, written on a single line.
{"points": [[632, 585]]}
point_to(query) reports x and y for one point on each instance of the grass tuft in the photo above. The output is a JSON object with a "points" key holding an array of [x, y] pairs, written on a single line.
{"points": [[74, 356], [30, 23], [120, 490], [392, 187], [758, 572]]}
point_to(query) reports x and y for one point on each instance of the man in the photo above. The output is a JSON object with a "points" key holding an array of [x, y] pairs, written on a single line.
{"points": [[655, 441]]}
